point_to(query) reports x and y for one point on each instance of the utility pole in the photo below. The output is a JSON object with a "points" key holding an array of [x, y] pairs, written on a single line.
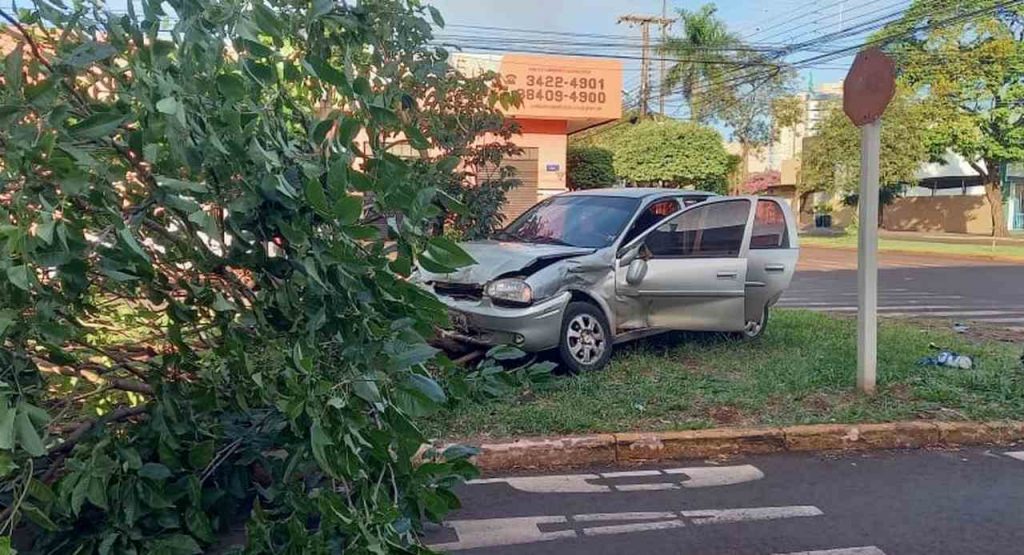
{"points": [[645, 21], [661, 74]]}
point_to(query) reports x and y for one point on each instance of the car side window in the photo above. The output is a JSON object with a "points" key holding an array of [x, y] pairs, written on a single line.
{"points": [[709, 231], [770, 230], [651, 215]]}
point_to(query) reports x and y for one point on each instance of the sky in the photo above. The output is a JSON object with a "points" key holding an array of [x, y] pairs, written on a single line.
{"points": [[769, 22]]}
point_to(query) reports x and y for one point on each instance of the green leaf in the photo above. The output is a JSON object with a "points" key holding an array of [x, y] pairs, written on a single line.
{"points": [[449, 164], [319, 441], [45, 230], [38, 517], [435, 15], [7, 415], [7, 317], [460, 452], [268, 21], [20, 276], [98, 125], [261, 72], [444, 252], [167, 106], [505, 352], [320, 130], [367, 390], [201, 454], [348, 209], [88, 54], [199, 525], [416, 138], [13, 66], [317, 197], [361, 86], [231, 86], [126, 236], [7, 464], [348, 130], [28, 436], [428, 387], [418, 354], [326, 72], [175, 544], [155, 471], [97, 492], [321, 8]]}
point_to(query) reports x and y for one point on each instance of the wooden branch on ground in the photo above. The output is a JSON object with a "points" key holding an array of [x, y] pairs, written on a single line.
{"points": [[83, 428]]}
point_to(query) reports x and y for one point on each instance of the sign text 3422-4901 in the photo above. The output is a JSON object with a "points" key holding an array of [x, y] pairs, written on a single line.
{"points": [[556, 88]]}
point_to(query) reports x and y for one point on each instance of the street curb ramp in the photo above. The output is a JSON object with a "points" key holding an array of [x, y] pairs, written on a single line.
{"points": [[553, 453]]}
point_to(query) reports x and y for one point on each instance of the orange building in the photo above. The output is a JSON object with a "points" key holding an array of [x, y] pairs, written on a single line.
{"points": [[560, 95]]}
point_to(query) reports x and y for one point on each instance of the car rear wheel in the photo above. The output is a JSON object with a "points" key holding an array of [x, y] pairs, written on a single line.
{"points": [[585, 342], [754, 329]]}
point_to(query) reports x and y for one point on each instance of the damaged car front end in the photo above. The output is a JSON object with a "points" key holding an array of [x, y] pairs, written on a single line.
{"points": [[581, 271]]}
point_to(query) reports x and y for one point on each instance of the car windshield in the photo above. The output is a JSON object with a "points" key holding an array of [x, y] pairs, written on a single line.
{"points": [[572, 220]]}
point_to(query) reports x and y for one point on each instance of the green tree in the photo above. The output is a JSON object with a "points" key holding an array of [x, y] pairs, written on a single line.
{"points": [[968, 60], [831, 161], [787, 113], [704, 50], [749, 114], [197, 328], [668, 152], [589, 167]]}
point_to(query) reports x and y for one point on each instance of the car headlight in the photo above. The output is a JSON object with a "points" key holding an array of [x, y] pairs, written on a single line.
{"points": [[509, 291]]}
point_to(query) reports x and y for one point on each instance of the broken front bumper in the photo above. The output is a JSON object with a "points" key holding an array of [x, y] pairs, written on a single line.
{"points": [[532, 328]]}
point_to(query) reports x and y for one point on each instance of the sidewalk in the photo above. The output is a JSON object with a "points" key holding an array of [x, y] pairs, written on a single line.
{"points": [[1016, 238]]}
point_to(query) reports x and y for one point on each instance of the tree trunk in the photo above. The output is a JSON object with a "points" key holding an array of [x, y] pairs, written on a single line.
{"points": [[744, 167], [994, 194]]}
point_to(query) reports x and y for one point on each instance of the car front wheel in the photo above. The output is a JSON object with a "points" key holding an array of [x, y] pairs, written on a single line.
{"points": [[585, 343]]}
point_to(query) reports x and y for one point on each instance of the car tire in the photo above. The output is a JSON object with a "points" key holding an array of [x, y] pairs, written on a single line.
{"points": [[754, 330], [585, 339]]}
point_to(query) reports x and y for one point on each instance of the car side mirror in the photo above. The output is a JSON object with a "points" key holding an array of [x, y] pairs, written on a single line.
{"points": [[637, 271], [629, 255]]}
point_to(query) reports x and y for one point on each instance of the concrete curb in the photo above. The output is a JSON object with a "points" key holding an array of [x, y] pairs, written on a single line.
{"points": [[553, 453]]}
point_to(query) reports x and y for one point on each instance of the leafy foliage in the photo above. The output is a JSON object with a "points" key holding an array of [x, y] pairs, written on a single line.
{"points": [[183, 255], [704, 50], [831, 161], [589, 167], [971, 70], [670, 152]]}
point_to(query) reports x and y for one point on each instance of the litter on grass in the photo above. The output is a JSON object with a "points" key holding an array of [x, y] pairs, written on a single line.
{"points": [[949, 359]]}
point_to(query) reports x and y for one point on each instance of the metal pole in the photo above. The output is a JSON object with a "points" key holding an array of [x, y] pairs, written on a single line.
{"points": [[867, 257]]}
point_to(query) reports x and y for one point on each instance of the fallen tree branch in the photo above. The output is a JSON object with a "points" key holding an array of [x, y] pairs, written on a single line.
{"points": [[83, 428]]}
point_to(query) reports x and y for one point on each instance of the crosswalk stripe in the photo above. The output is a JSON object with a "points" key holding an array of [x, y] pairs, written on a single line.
{"points": [[869, 550], [1019, 455]]}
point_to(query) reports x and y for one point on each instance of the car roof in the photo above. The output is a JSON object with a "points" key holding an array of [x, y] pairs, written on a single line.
{"points": [[635, 192]]}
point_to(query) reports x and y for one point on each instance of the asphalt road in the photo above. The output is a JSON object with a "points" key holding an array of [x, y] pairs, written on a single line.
{"points": [[916, 285], [966, 502]]}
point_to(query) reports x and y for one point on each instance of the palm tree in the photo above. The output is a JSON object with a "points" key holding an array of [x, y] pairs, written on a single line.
{"points": [[702, 53]]}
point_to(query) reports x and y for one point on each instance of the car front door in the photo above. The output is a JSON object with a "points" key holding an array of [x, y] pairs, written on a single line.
{"points": [[690, 271]]}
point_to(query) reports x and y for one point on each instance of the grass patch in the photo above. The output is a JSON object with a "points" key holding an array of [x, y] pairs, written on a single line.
{"points": [[1015, 252], [802, 371]]}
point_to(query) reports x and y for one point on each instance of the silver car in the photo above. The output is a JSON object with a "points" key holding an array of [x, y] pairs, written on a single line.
{"points": [[581, 271]]}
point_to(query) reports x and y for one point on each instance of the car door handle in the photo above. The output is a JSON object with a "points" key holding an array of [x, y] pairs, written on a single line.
{"points": [[775, 267], [727, 275]]}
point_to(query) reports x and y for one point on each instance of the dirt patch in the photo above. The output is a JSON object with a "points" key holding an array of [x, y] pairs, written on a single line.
{"points": [[726, 415], [975, 332]]}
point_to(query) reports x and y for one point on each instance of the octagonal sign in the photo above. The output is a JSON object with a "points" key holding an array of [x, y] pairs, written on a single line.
{"points": [[869, 86]]}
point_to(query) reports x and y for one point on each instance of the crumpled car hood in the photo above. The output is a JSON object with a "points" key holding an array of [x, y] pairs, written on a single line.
{"points": [[496, 258]]}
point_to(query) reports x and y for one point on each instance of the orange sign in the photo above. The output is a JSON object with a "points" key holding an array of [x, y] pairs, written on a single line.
{"points": [[563, 87]]}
